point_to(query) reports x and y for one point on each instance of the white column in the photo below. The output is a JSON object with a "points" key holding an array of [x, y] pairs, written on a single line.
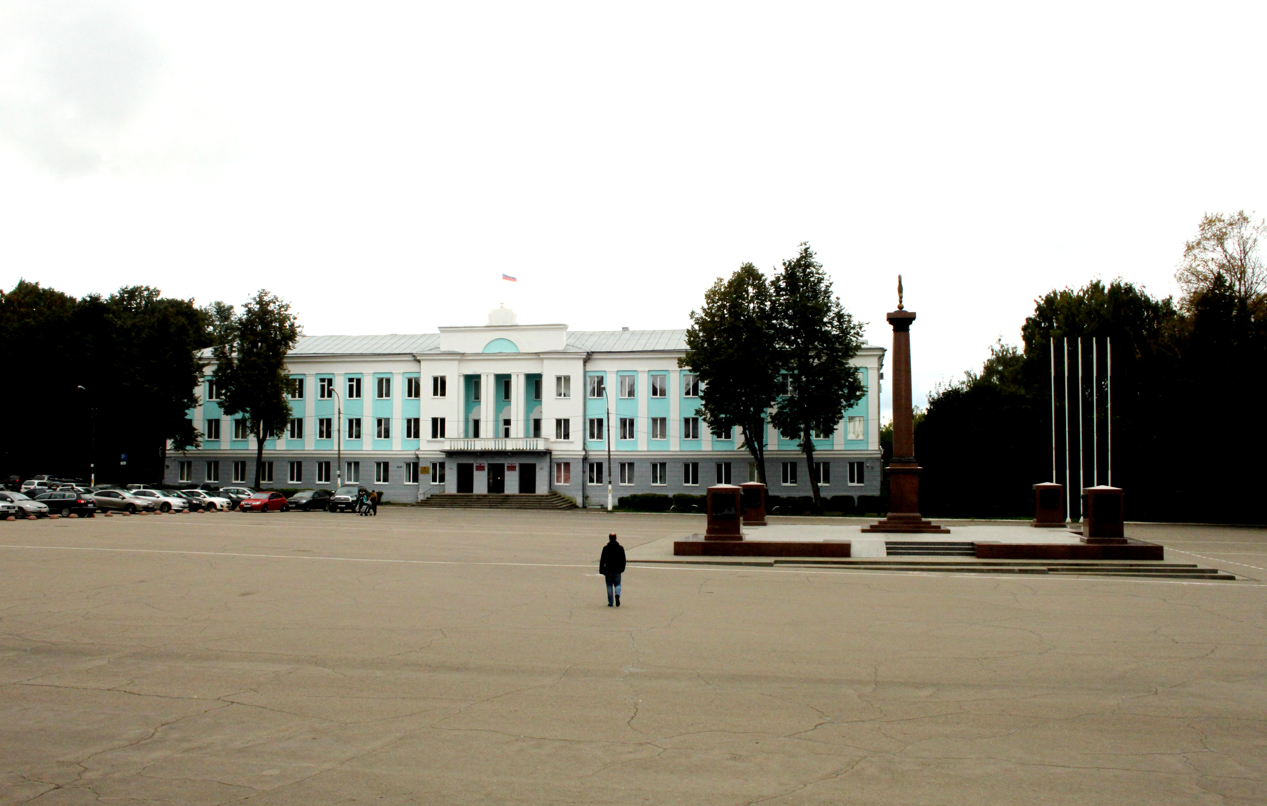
{"points": [[675, 410], [518, 404], [644, 421], [310, 413], [398, 423], [488, 405]]}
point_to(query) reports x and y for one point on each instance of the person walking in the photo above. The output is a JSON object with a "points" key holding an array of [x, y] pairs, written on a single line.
{"points": [[374, 496], [611, 565]]}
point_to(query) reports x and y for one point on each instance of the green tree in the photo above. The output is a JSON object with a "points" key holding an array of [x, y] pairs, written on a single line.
{"points": [[730, 346], [816, 340], [250, 357], [1226, 246]]}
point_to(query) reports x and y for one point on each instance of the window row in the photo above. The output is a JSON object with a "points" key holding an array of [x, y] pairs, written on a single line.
{"points": [[658, 473], [295, 472]]}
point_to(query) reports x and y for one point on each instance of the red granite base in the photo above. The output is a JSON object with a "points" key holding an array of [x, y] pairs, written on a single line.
{"points": [[906, 526], [1131, 550], [758, 548]]}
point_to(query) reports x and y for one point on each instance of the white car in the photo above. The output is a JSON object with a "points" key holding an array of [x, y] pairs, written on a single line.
{"points": [[162, 502], [211, 501], [24, 503]]}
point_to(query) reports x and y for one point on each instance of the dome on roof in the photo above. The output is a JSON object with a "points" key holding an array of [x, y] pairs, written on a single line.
{"points": [[502, 316]]}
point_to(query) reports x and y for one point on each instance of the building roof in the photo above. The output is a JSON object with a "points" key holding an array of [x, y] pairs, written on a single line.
{"points": [[367, 345], [627, 341]]}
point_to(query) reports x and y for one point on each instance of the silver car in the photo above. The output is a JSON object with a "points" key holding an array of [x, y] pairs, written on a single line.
{"points": [[210, 501], [122, 500], [28, 506], [162, 501]]}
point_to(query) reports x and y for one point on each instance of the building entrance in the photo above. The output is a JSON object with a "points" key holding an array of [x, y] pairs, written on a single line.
{"points": [[466, 477], [496, 478], [527, 478]]}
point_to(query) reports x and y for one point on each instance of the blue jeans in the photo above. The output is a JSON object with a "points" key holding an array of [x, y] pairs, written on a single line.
{"points": [[613, 586]]}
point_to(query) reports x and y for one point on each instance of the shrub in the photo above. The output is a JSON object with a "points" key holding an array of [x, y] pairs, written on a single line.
{"points": [[872, 505], [685, 502], [844, 504], [646, 502]]}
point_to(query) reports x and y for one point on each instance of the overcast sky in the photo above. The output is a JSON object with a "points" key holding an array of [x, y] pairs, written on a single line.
{"points": [[381, 164]]}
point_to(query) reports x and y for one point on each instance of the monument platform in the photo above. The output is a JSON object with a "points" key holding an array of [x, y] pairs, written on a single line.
{"points": [[850, 539]]}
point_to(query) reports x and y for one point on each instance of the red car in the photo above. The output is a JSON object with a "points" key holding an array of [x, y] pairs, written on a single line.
{"points": [[265, 501]]}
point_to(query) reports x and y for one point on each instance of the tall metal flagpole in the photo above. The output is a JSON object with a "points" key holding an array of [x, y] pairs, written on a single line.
{"points": [[1082, 462], [1068, 484], [1052, 344], [1095, 413], [1108, 355]]}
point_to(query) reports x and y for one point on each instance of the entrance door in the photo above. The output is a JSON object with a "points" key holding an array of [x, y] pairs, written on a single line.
{"points": [[527, 478], [466, 478], [496, 478]]}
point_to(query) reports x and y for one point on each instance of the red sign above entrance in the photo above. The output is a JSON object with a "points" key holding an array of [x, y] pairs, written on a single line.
{"points": [[479, 467], [512, 467]]}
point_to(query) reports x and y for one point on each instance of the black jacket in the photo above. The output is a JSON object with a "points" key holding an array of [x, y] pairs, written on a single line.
{"points": [[613, 559]]}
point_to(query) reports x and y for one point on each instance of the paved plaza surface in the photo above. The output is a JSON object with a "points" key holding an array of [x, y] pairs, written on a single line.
{"points": [[436, 657]]}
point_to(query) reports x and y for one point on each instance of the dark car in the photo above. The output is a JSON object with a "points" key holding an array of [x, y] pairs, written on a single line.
{"points": [[308, 500], [265, 501], [68, 503], [345, 498], [195, 503]]}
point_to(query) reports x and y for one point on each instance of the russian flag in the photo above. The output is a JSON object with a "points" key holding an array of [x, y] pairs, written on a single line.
{"points": [[508, 277]]}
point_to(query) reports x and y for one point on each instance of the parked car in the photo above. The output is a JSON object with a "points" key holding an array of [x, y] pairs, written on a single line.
{"points": [[139, 487], [13, 483], [9, 509], [265, 501], [163, 501], [308, 500], [65, 503], [344, 499], [236, 494], [209, 501], [31, 486], [26, 504], [121, 500]]}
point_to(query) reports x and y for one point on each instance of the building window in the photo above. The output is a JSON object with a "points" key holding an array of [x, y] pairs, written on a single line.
{"points": [[296, 475], [325, 388], [659, 385], [475, 388], [627, 430], [690, 385], [690, 428], [437, 472], [295, 429], [413, 428], [690, 474], [213, 471], [857, 427], [506, 389], [411, 472], [413, 388], [353, 472], [266, 472], [536, 428], [753, 475], [354, 389], [596, 429], [382, 472], [597, 386], [297, 388], [659, 477], [820, 434], [383, 388], [241, 430], [628, 385], [437, 427], [439, 386], [822, 471], [213, 389], [323, 472], [562, 385], [475, 428], [506, 428], [383, 428], [724, 434], [186, 471], [626, 473], [723, 472], [786, 385], [856, 477], [239, 472], [325, 428], [563, 473], [213, 429], [536, 388], [789, 474], [562, 429], [596, 473], [354, 428], [659, 428]]}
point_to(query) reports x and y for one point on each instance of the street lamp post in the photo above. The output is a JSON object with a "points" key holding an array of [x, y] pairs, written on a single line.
{"points": [[92, 449]]}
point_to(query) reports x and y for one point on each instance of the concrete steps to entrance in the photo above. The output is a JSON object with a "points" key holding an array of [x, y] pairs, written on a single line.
{"points": [[552, 500], [1156, 570], [914, 548]]}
